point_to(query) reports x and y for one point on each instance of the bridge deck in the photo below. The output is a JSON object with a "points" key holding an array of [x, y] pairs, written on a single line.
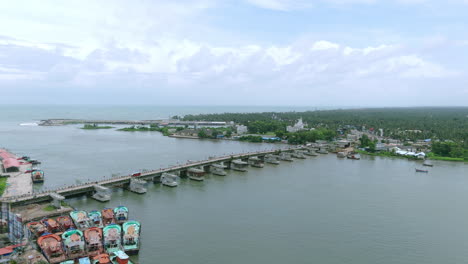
{"points": [[89, 186]]}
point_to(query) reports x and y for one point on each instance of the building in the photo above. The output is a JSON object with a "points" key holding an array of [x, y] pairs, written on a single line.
{"points": [[241, 129], [297, 127], [9, 161]]}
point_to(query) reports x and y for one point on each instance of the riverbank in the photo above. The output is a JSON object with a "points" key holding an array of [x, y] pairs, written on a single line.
{"points": [[391, 154], [92, 127]]}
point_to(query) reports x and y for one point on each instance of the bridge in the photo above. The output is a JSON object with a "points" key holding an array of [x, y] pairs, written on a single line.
{"points": [[91, 187]]}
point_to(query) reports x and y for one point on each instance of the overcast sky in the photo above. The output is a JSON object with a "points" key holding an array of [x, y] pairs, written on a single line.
{"points": [[236, 52]]}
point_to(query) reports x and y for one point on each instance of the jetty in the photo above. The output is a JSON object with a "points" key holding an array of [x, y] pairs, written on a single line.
{"points": [[99, 189], [159, 122]]}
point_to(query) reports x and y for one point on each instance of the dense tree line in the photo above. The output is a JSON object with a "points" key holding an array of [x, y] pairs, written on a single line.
{"points": [[401, 123]]}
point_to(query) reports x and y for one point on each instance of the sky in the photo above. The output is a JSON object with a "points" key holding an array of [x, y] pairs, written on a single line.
{"points": [[227, 52]]}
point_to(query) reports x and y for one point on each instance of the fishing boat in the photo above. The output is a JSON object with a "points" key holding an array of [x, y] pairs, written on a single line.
{"points": [[298, 155], [51, 247], [96, 218], [311, 152], [239, 165], [217, 171], [120, 214], [81, 220], [37, 176], [51, 225], [74, 244], [112, 238], [93, 238], [285, 156], [119, 257], [256, 162], [272, 159], [107, 216], [84, 260], [418, 170], [170, 180], [65, 222], [102, 259], [36, 228], [354, 156], [427, 164], [131, 237], [196, 174], [322, 151]]}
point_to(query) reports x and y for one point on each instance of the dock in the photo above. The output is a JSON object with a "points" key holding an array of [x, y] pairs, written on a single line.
{"points": [[92, 187], [159, 122]]}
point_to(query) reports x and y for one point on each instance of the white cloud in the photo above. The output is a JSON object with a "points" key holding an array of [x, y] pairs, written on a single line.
{"points": [[280, 5]]}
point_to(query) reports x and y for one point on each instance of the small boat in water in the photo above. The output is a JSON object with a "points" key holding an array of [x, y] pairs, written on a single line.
{"points": [[81, 220], [107, 216], [354, 156], [96, 218], [298, 155], [36, 228], [102, 259], [322, 151], [196, 174], [341, 155], [418, 170], [131, 237], [51, 247], [256, 162], [37, 176], [217, 171], [169, 179], [119, 257], [112, 238], [73, 242], [239, 165], [93, 238], [272, 159], [51, 225], [65, 222], [285, 156], [120, 214], [427, 164]]}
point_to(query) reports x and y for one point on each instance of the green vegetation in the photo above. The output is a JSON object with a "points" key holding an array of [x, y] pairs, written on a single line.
{"points": [[398, 123], [49, 208], [214, 133], [367, 143], [449, 149], [302, 137], [95, 126], [3, 184], [140, 128]]}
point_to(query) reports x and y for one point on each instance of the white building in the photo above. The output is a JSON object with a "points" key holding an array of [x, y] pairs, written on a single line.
{"points": [[241, 129], [297, 127]]}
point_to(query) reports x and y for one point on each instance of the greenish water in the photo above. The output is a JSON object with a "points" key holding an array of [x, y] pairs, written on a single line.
{"points": [[318, 210]]}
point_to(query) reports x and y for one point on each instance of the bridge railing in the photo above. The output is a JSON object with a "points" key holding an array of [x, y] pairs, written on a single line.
{"points": [[105, 180]]}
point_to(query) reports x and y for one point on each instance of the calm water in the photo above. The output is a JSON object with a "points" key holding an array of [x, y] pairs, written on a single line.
{"points": [[318, 210]]}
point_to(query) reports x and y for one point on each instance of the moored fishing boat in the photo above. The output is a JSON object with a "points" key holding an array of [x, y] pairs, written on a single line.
{"points": [[81, 220], [418, 170], [354, 156], [120, 214], [256, 162], [285, 156], [102, 259], [93, 238], [119, 257], [37, 176], [169, 179], [65, 222], [107, 216], [322, 151], [427, 164], [74, 244], [131, 237], [272, 159], [51, 225], [341, 155], [51, 247], [96, 218], [36, 228], [112, 238], [196, 174]]}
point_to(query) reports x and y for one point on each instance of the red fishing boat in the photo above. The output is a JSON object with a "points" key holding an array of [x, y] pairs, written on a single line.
{"points": [[51, 247], [65, 222], [107, 216], [102, 259], [93, 238], [36, 228], [51, 225]]}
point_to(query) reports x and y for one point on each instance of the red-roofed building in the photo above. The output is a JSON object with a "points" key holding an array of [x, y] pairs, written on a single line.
{"points": [[9, 161]]}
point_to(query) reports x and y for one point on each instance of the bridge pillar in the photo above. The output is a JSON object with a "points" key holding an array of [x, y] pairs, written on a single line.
{"points": [[137, 186], [206, 168], [256, 162], [102, 194], [182, 173], [239, 165], [57, 200], [216, 169], [157, 178], [227, 164]]}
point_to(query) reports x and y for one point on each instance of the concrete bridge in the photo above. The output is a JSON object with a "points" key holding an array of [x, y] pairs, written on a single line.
{"points": [[92, 187]]}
